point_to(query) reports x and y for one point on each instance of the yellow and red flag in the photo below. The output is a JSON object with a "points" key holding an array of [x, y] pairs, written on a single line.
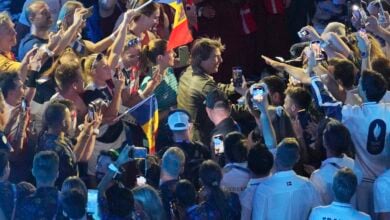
{"points": [[180, 34]]}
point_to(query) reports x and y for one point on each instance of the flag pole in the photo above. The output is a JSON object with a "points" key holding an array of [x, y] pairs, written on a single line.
{"points": [[143, 5]]}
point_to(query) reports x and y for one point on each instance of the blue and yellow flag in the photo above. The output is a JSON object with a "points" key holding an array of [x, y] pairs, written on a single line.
{"points": [[146, 114], [180, 34]]}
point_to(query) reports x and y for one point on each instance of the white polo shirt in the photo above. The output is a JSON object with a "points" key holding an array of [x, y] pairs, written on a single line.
{"points": [[284, 196], [382, 193], [339, 211], [246, 197], [322, 178], [235, 177]]}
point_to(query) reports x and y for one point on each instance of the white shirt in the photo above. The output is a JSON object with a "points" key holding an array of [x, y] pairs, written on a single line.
{"points": [[382, 193], [386, 97], [284, 196], [322, 178], [235, 177], [246, 197], [339, 211], [369, 122]]}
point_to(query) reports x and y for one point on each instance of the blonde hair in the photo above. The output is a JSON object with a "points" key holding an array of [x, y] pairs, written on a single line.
{"points": [[86, 66], [4, 18]]}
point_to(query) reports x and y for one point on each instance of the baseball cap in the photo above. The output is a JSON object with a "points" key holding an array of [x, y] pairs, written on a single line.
{"points": [[178, 121], [216, 98]]}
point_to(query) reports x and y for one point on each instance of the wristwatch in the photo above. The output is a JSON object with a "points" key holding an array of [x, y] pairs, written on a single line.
{"points": [[114, 169]]}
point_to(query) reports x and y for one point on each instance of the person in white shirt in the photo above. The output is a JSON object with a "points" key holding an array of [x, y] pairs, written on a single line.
{"points": [[344, 187], [382, 196], [337, 141], [235, 173], [367, 123], [285, 195], [260, 163]]}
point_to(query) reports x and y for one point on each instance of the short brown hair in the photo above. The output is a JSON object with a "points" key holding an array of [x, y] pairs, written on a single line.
{"points": [[202, 49], [300, 96]]}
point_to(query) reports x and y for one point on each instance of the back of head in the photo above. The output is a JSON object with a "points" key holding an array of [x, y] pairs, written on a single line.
{"points": [[55, 114], [287, 153], [344, 70], [236, 148], [210, 173], [8, 82], [260, 161], [373, 85], [120, 201], [336, 137], [275, 84], [300, 96], [150, 201], [202, 49], [216, 99], [185, 193], [74, 182], [68, 9], [66, 74], [45, 166], [344, 185], [335, 27], [3, 162], [173, 161], [382, 66], [179, 120], [73, 203]]}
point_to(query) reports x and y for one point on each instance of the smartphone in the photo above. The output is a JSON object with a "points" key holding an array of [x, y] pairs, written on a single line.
{"points": [[24, 105], [218, 144], [237, 76], [91, 112], [92, 206], [303, 33], [316, 47], [184, 55], [138, 153], [258, 91]]}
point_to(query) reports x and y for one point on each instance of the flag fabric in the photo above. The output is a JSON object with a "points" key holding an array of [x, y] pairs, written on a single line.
{"points": [[180, 34], [146, 115]]}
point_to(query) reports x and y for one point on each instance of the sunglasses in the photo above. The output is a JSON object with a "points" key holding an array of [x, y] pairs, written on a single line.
{"points": [[97, 59], [133, 42]]}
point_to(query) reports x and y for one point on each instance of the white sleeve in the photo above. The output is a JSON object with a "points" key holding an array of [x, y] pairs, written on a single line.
{"points": [[382, 195], [314, 215], [319, 186]]}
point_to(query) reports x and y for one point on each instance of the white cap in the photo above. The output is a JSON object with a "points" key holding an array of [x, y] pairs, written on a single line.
{"points": [[178, 121]]}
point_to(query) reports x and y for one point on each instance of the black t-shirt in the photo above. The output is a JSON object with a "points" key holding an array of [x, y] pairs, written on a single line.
{"points": [[224, 127], [93, 93]]}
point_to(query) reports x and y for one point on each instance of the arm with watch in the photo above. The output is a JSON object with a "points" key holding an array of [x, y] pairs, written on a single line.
{"points": [[113, 170]]}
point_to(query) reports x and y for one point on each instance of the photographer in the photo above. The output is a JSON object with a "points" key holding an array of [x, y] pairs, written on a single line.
{"points": [[57, 118]]}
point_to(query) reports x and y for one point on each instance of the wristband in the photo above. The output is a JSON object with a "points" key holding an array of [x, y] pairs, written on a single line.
{"points": [[112, 37], [114, 169], [47, 51], [95, 131]]}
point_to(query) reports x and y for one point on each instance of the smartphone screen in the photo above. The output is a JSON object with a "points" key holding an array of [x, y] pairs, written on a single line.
{"points": [[316, 47], [218, 144], [184, 55], [92, 206], [237, 76], [91, 113]]}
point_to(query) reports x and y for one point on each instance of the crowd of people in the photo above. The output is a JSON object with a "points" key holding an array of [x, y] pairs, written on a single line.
{"points": [[277, 110]]}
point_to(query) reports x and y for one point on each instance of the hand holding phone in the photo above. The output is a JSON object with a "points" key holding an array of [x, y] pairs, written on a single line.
{"points": [[315, 46], [218, 144]]}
